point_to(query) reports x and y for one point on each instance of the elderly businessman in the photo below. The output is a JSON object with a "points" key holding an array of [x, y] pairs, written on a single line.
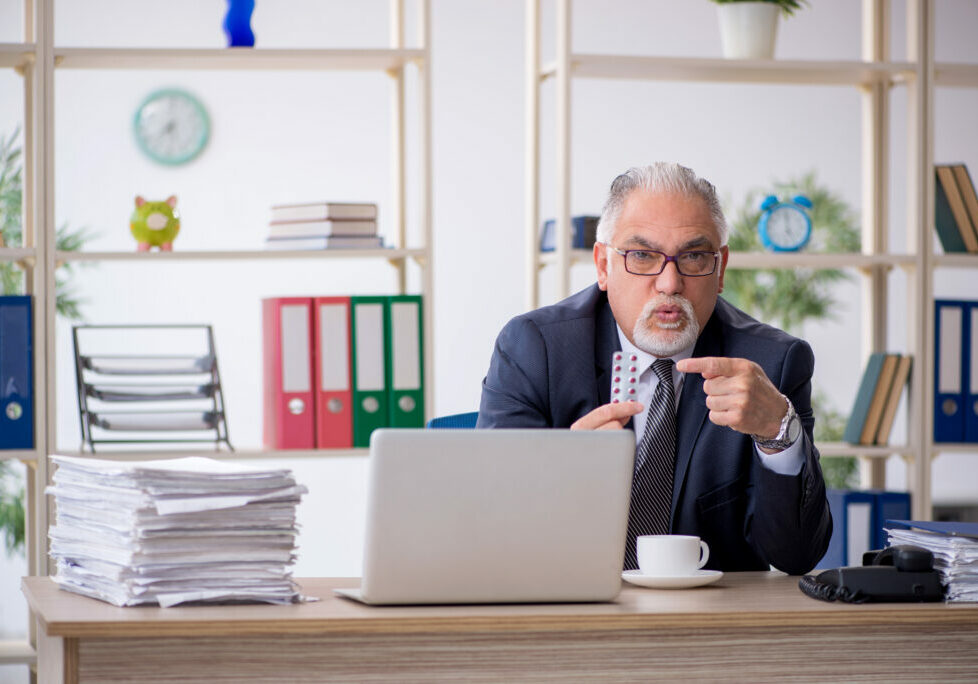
{"points": [[722, 416]]}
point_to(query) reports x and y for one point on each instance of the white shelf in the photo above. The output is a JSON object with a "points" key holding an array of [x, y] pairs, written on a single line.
{"points": [[956, 75], [244, 254], [18, 455], [223, 455], [954, 448], [804, 260], [838, 449], [956, 260], [16, 253], [739, 260], [16, 54], [689, 69], [235, 58], [16, 653]]}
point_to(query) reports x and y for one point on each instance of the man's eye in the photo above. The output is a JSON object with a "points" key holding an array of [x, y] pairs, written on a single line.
{"points": [[643, 256], [693, 258]]}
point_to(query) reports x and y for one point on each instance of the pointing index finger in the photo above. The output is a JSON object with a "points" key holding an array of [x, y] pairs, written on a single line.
{"points": [[707, 366]]}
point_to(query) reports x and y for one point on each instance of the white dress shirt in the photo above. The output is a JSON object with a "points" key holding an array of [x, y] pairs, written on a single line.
{"points": [[787, 462]]}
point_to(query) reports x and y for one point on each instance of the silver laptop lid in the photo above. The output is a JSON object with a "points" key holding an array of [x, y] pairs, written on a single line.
{"points": [[492, 516]]}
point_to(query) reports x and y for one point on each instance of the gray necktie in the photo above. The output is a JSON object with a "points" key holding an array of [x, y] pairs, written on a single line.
{"points": [[655, 461]]}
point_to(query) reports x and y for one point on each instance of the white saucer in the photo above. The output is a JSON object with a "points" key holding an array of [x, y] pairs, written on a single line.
{"points": [[697, 579]]}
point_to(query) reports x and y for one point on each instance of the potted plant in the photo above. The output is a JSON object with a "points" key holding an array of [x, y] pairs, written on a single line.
{"points": [[748, 28]]}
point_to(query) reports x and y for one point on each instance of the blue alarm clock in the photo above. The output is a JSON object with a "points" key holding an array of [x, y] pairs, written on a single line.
{"points": [[785, 226]]}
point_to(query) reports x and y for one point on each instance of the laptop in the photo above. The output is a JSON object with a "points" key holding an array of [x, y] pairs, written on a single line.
{"points": [[495, 516]]}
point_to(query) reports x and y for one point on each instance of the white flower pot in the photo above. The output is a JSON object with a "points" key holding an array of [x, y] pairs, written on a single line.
{"points": [[748, 29]]}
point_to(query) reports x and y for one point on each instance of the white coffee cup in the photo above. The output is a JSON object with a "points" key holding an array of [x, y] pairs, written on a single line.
{"points": [[671, 555]]}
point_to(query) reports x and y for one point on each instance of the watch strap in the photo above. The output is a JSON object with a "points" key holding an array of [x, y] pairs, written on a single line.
{"points": [[781, 440]]}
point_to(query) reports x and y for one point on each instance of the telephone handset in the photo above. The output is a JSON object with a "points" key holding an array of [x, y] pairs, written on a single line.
{"points": [[897, 573]]}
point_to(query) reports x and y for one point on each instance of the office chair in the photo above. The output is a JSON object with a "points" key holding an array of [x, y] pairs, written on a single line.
{"points": [[456, 421]]}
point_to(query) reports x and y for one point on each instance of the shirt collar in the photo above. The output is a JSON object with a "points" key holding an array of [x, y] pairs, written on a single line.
{"points": [[645, 360]]}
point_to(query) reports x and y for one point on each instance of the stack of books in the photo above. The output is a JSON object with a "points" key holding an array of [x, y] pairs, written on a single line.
{"points": [[174, 531], [323, 225], [955, 549], [875, 407]]}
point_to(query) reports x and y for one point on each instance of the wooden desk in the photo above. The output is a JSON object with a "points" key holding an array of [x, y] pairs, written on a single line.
{"points": [[747, 626]]}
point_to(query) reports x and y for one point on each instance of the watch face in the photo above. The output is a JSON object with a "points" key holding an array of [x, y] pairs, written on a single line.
{"points": [[794, 429], [171, 126], [786, 228]]}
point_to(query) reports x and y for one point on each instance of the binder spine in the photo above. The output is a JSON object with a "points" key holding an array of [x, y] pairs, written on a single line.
{"points": [[970, 344], [371, 342], [289, 419], [950, 362], [406, 361], [16, 373], [334, 394]]}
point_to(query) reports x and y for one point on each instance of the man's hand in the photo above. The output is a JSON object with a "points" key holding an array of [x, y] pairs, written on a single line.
{"points": [[608, 416], [738, 394]]}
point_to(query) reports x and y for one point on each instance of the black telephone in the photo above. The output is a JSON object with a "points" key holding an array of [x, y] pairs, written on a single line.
{"points": [[897, 573]]}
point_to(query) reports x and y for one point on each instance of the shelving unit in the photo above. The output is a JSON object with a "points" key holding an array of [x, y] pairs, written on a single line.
{"points": [[38, 58], [875, 76], [396, 256]]}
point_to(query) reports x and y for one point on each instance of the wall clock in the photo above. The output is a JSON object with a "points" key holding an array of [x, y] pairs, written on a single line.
{"points": [[171, 126], [785, 226]]}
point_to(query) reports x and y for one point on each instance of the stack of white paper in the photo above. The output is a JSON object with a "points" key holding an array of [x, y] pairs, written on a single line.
{"points": [[955, 556], [173, 531]]}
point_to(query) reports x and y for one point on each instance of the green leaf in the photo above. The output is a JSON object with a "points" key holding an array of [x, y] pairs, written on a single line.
{"points": [[11, 228], [11, 509], [788, 7]]}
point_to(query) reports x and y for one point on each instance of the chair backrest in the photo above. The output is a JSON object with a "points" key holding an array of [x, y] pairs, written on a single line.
{"points": [[457, 421]]}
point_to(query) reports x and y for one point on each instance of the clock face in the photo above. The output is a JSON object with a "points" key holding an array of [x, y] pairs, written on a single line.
{"points": [[785, 228], [171, 126]]}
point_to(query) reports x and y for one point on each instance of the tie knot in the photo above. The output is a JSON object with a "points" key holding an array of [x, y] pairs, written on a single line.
{"points": [[663, 369]]}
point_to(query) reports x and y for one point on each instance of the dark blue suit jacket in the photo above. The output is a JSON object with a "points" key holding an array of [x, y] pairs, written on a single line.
{"points": [[551, 366]]}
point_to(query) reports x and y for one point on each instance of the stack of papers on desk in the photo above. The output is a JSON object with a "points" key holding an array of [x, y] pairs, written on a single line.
{"points": [[955, 549], [173, 531]]}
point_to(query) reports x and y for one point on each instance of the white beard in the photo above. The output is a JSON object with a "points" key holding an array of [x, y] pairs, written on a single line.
{"points": [[666, 339]]}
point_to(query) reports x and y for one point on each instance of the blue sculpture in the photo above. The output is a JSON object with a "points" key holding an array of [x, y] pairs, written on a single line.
{"points": [[237, 23]]}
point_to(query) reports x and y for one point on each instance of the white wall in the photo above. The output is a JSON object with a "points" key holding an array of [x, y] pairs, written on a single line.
{"points": [[279, 137]]}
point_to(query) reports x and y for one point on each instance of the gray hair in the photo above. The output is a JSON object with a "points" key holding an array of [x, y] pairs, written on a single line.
{"points": [[660, 177]]}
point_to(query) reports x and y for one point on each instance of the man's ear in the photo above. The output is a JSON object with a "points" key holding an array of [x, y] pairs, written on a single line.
{"points": [[724, 255], [601, 264]]}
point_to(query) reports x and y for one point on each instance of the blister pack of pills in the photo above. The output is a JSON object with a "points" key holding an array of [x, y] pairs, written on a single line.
{"points": [[624, 377]]}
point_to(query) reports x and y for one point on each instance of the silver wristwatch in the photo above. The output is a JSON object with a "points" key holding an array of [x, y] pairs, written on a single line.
{"points": [[789, 432]]}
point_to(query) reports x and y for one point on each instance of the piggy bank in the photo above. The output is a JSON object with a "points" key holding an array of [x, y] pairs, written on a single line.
{"points": [[155, 224]]}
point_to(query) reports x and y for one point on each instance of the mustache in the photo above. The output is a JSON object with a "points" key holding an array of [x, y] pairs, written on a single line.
{"points": [[663, 300]]}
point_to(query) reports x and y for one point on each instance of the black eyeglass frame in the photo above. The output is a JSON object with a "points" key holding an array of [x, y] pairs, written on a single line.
{"points": [[668, 257]]}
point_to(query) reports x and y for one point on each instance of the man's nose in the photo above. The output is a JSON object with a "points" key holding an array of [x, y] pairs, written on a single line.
{"points": [[669, 281]]}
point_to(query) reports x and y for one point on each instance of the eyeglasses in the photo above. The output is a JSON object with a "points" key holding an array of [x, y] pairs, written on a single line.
{"points": [[649, 262]]}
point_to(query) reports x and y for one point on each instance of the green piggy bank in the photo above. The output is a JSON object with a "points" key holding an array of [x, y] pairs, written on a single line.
{"points": [[155, 224]]}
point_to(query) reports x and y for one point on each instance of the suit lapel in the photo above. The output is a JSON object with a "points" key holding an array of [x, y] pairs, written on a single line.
{"points": [[692, 412], [606, 343]]}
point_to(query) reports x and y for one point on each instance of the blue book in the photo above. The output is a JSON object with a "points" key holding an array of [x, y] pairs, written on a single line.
{"points": [[16, 373], [952, 346], [952, 529], [864, 398], [944, 221], [584, 231]]}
